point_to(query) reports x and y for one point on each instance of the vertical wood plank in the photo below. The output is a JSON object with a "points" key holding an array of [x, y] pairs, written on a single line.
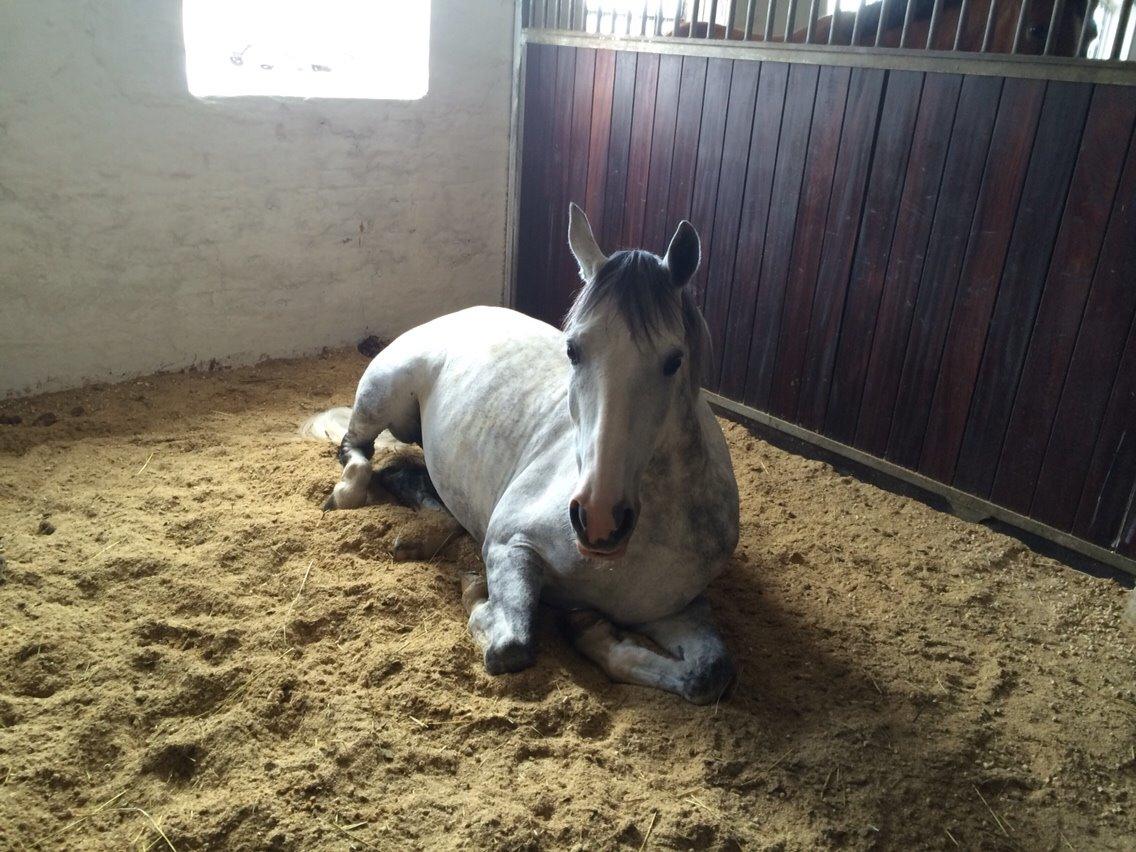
{"points": [[990, 232], [603, 93], [618, 152], [684, 160], [715, 107], [655, 234], [1095, 178], [812, 216], [905, 265], [1043, 197], [846, 207], [962, 178], [1093, 367], [1106, 498], [800, 95], [873, 249], [540, 68], [719, 275], [639, 156], [762, 163], [556, 271]]}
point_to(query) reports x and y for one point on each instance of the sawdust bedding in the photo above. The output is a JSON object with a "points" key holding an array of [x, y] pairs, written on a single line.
{"points": [[192, 653]]}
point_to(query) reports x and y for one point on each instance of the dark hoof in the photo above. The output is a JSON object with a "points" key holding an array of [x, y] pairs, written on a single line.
{"points": [[510, 656], [710, 683]]}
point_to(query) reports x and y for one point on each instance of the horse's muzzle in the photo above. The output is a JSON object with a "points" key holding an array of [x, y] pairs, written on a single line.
{"points": [[624, 518]]}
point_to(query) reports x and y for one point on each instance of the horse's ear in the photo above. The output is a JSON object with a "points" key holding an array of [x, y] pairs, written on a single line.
{"points": [[683, 254], [583, 244]]}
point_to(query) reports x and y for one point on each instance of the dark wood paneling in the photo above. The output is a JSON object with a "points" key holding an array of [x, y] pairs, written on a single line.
{"points": [[731, 185], [610, 225], [1051, 166], [1093, 368], [708, 164], [1079, 239], [533, 239], [857, 140], [799, 96], [933, 268], [639, 156], [962, 177], [751, 231], [655, 234], [873, 251], [905, 266], [808, 238], [989, 241]]}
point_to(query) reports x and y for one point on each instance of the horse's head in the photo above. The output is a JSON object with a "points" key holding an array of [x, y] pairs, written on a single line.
{"points": [[636, 342]]}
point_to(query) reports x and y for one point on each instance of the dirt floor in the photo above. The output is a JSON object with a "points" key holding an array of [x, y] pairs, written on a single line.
{"points": [[192, 653]]}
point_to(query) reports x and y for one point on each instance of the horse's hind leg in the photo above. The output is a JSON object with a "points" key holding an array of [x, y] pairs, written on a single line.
{"points": [[385, 399], [696, 664]]}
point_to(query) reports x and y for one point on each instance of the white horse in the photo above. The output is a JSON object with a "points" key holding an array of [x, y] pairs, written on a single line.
{"points": [[586, 463]]}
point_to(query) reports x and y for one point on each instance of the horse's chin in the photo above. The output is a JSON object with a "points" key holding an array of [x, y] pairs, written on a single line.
{"points": [[602, 554]]}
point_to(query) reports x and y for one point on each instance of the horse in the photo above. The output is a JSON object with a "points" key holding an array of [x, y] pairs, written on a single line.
{"points": [[587, 463], [975, 15]]}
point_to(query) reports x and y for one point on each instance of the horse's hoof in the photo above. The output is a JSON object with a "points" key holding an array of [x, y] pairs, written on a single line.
{"points": [[711, 683], [509, 656]]}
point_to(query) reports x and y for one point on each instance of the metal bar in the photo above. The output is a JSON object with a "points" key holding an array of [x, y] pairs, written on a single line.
{"points": [[906, 23], [613, 21], [1021, 26], [558, 11], [770, 15], [731, 11], [939, 61], [1082, 40], [627, 31], [750, 9], [712, 19], [961, 24], [693, 18], [1121, 30], [1054, 24], [790, 15], [856, 24], [962, 503], [832, 23], [810, 26], [677, 18], [880, 22], [988, 35], [936, 13], [658, 17]]}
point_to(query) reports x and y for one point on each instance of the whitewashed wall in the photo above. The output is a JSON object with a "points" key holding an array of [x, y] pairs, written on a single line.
{"points": [[142, 229]]}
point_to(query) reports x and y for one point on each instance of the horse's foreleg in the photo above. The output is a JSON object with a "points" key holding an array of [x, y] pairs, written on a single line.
{"points": [[502, 607], [696, 664]]}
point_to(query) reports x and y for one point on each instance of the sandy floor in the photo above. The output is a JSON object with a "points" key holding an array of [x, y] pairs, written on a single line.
{"points": [[188, 644]]}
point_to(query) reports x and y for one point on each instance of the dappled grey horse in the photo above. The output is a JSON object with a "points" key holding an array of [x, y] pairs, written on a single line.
{"points": [[586, 462]]}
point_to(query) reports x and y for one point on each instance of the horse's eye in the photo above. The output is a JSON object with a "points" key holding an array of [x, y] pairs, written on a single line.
{"points": [[671, 365], [573, 353], [1038, 32]]}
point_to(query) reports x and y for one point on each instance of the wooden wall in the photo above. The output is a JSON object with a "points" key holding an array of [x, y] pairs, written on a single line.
{"points": [[937, 269]]}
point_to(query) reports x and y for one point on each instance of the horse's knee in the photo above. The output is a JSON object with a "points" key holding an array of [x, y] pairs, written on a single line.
{"points": [[708, 681]]}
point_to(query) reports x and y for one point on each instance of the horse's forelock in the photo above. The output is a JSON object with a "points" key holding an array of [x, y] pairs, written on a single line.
{"points": [[640, 288]]}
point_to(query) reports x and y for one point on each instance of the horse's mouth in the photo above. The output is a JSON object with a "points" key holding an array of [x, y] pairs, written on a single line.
{"points": [[591, 553]]}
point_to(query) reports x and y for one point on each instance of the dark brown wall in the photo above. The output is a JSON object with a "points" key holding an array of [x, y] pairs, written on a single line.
{"points": [[937, 269]]}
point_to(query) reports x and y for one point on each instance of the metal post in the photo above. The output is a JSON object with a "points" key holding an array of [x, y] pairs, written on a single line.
{"points": [[790, 14], [693, 18], [991, 16], [1054, 24], [906, 23], [1021, 26], [731, 10], [1121, 29], [770, 15], [749, 19], [1082, 49], [810, 25], [713, 19], [936, 13], [961, 24], [856, 24], [880, 22]]}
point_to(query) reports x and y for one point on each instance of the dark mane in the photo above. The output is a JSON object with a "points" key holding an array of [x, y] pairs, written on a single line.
{"points": [[646, 298]]}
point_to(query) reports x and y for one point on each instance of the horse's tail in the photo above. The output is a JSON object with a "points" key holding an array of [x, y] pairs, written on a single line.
{"points": [[330, 425]]}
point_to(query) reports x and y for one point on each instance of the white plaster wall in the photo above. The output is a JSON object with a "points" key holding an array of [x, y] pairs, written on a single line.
{"points": [[142, 229]]}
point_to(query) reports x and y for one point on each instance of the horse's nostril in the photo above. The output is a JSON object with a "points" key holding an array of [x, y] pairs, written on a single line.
{"points": [[624, 517], [579, 519]]}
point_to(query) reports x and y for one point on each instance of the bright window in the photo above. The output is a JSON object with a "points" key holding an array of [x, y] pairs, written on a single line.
{"points": [[307, 48]]}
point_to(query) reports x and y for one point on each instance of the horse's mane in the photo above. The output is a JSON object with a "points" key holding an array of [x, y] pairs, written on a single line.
{"points": [[647, 299]]}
